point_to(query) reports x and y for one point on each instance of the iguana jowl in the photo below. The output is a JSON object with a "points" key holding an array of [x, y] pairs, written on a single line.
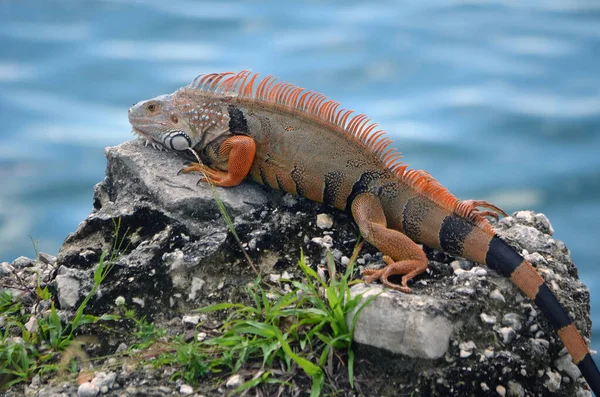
{"points": [[300, 142]]}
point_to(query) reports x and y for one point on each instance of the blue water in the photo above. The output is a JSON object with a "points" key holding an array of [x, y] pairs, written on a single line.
{"points": [[499, 100]]}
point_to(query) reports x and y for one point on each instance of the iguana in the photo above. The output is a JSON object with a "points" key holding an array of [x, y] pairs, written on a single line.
{"points": [[298, 141]]}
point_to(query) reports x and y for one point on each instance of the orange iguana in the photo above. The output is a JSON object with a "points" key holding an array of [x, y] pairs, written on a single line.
{"points": [[300, 142]]}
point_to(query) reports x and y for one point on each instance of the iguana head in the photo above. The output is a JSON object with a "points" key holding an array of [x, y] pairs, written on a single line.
{"points": [[180, 121]]}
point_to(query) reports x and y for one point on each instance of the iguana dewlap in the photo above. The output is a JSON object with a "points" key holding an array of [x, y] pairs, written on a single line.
{"points": [[300, 142]]}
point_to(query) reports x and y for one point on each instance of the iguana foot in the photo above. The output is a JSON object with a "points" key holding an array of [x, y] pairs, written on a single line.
{"points": [[407, 268], [492, 211], [216, 177]]}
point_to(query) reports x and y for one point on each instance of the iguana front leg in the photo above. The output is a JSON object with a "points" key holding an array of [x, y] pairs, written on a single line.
{"points": [[402, 255], [238, 151]]}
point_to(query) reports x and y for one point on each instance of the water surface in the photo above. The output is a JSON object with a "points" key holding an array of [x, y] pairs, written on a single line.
{"points": [[499, 100]]}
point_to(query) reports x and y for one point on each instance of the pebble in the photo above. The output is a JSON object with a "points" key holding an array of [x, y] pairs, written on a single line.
{"points": [[35, 381], [188, 320], [514, 320], [88, 389], [537, 259], [507, 334], [234, 381], [466, 348], [501, 390], [455, 265], [324, 221], [337, 254], [488, 319], [497, 296], [515, 389], [523, 372], [565, 364], [32, 325], [186, 389], [545, 224], [484, 386], [479, 271], [274, 278], [22, 261], [6, 268], [553, 381], [47, 258], [325, 242]]}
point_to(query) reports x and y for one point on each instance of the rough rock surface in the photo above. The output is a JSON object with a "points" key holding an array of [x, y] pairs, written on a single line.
{"points": [[464, 330]]}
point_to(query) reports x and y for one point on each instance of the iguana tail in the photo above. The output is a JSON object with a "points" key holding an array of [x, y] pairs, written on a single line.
{"points": [[504, 259]]}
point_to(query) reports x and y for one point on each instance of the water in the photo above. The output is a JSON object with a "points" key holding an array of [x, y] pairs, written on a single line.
{"points": [[499, 100]]}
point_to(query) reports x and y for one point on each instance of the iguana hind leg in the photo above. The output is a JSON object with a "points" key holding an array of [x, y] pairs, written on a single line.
{"points": [[402, 255]]}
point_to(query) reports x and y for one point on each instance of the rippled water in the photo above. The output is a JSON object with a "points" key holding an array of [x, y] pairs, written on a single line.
{"points": [[498, 99]]}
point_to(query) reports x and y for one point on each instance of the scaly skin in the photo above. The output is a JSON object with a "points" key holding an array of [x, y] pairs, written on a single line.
{"points": [[297, 141]]}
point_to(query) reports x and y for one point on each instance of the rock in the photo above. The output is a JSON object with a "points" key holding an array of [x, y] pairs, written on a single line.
{"points": [[515, 389], [190, 320], [67, 289], [486, 318], [47, 258], [464, 330], [186, 389], [234, 381], [507, 334], [324, 221], [412, 325], [104, 381], [497, 295], [88, 389], [22, 261], [32, 325], [6, 268], [565, 364], [553, 381]]}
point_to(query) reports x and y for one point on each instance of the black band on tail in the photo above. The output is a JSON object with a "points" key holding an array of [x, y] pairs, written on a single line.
{"points": [[590, 373], [502, 257], [551, 307]]}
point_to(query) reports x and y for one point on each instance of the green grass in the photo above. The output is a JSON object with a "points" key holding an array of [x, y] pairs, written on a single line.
{"points": [[305, 326], [25, 353]]}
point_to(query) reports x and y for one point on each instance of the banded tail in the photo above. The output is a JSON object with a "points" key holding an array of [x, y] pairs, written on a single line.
{"points": [[464, 237], [504, 259]]}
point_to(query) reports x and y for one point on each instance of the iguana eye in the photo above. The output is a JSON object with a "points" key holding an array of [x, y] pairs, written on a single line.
{"points": [[180, 142], [152, 107]]}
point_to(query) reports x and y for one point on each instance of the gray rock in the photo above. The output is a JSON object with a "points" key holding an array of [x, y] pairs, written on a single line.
{"points": [[6, 268], [412, 325], [104, 381], [22, 261], [67, 289], [565, 364], [234, 381], [88, 389], [47, 258], [180, 255]]}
